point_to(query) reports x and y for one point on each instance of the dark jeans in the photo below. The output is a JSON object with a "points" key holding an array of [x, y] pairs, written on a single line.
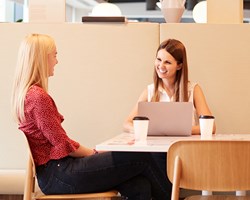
{"points": [[135, 175], [160, 159]]}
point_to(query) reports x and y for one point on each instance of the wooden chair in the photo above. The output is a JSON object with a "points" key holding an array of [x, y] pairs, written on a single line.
{"points": [[220, 166], [30, 192]]}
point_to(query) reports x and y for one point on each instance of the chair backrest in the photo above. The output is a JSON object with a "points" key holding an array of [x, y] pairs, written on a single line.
{"points": [[30, 191], [209, 165]]}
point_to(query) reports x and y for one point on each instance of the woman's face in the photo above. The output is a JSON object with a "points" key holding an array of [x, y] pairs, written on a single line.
{"points": [[165, 65], [52, 61]]}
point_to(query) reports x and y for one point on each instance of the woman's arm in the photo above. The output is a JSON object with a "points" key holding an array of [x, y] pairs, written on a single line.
{"points": [[128, 124], [82, 152], [201, 108], [48, 120]]}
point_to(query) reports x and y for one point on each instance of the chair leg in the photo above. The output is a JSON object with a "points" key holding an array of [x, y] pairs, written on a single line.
{"points": [[176, 179]]}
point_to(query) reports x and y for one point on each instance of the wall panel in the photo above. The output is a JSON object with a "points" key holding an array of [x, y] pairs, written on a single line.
{"points": [[219, 60]]}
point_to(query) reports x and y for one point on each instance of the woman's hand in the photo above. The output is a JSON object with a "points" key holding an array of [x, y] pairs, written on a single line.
{"points": [[82, 152], [201, 108], [128, 127], [128, 124]]}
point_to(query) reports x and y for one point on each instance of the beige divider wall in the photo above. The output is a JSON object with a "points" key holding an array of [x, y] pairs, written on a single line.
{"points": [[102, 70], [219, 60]]}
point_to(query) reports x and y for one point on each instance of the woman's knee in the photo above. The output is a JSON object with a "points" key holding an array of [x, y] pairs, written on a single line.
{"points": [[132, 157]]}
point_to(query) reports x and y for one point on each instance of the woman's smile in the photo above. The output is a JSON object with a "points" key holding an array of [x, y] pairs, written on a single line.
{"points": [[162, 71]]}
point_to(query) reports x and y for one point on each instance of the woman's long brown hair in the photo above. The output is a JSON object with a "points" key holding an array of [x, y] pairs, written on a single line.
{"points": [[178, 51]]}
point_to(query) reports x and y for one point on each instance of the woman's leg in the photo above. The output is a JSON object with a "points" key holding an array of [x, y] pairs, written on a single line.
{"points": [[160, 159], [137, 188], [102, 172], [160, 186]]}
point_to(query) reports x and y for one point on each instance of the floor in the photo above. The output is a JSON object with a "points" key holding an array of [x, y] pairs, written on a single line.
{"points": [[11, 197], [20, 197]]}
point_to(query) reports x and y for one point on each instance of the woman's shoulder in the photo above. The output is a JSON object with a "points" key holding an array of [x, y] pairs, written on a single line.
{"points": [[151, 87], [191, 85], [38, 95], [36, 90]]}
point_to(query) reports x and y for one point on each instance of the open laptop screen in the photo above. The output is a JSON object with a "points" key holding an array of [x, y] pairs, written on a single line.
{"points": [[167, 118]]}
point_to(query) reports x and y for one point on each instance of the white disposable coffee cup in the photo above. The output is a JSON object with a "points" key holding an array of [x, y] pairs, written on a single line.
{"points": [[206, 126], [140, 128]]}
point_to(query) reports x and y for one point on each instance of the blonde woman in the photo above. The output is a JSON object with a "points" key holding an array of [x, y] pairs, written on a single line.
{"points": [[62, 164]]}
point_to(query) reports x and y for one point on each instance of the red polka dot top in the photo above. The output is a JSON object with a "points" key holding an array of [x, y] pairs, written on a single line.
{"points": [[42, 127]]}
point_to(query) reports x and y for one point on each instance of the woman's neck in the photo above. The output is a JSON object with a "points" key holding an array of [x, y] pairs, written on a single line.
{"points": [[169, 87]]}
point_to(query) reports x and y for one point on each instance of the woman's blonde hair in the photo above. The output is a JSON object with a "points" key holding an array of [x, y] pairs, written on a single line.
{"points": [[178, 51], [31, 69]]}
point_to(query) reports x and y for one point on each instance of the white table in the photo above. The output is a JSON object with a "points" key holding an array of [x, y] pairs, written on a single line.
{"points": [[125, 142]]}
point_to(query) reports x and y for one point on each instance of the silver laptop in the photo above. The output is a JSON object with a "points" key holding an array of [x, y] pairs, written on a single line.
{"points": [[167, 118]]}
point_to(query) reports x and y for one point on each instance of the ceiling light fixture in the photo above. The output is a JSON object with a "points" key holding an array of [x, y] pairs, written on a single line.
{"points": [[200, 12], [106, 9]]}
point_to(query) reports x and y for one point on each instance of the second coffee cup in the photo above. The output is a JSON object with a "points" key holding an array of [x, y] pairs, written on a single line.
{"points": [[206, 126], [140, 127]]}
